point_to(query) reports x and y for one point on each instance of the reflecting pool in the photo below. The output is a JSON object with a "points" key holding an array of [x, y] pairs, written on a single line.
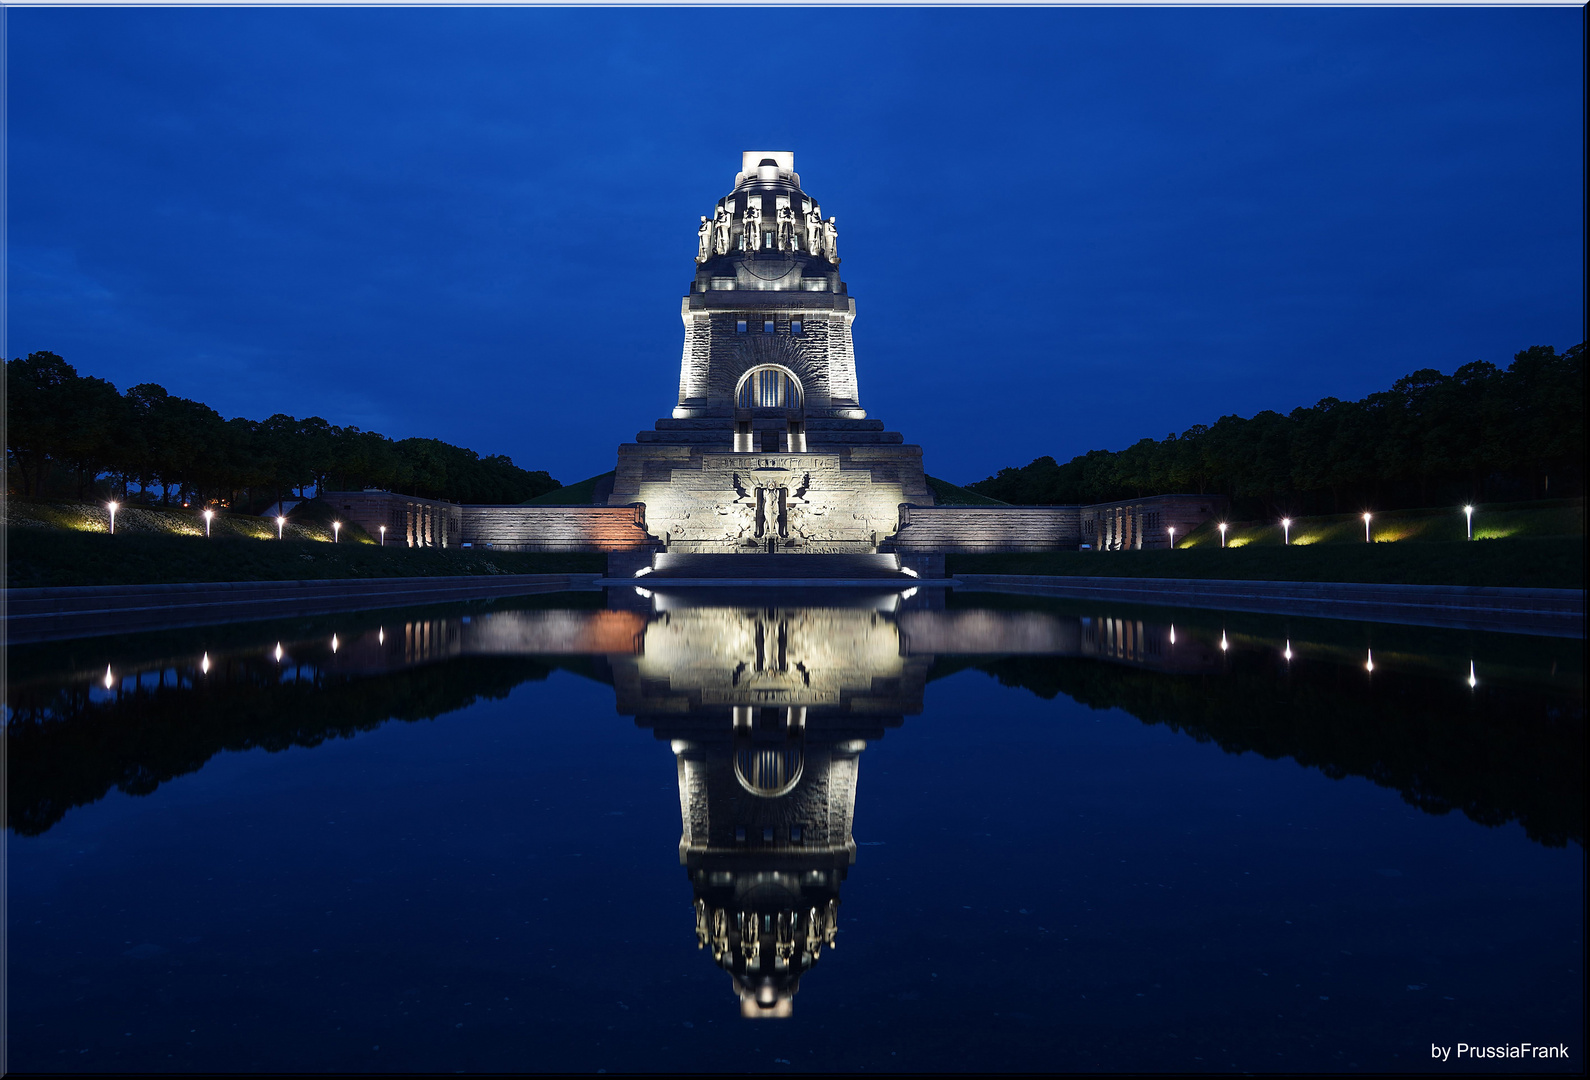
{"points": [[689, 831]]}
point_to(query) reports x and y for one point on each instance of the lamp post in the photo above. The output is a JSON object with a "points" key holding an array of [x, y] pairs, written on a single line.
{"points": [[281, 523], [1286, 532], [112, 506], [208, 514], [336, 532], [1366, 528], [1468, 518], [383, 536], [1172, 531], [1222, 534]]}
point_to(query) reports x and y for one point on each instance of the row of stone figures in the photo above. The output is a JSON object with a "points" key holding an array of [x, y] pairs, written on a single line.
{"points": [[789, 934], [820, 237]]}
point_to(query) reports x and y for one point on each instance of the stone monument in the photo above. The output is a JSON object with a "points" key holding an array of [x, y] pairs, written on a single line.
{"points": [[769, 448]]}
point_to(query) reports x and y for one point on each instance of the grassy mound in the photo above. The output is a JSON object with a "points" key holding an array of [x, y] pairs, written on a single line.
{"points": [[23, 513], [579, 494], [948, 494], [1492, 521]]}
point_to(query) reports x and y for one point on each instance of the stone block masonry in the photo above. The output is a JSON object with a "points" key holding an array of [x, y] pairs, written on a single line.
{"points": [[942, 529], [557, 528]]}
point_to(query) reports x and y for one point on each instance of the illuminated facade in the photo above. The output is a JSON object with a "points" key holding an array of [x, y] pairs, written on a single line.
{"points": [[768, 447]]}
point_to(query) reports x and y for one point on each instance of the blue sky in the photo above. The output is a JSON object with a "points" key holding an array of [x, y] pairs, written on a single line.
{"points": [[1065, 229]]}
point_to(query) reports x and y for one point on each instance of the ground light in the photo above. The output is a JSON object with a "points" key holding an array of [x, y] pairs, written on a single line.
{"points": [[281, 523], [1473, 680], [383, 536], [1222, 534], [112, 507], [204, 665], [110, 680], [208, 514], [1468, 517], [1369, 659], [1172, 531], [336, 532], [1286, 531], [1366, 527], [1224, 645], [1173, 633], [1288, 653]]}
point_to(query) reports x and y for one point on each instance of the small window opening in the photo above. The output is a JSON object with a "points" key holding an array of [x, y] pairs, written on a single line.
{"points": [[767, 241], [739, 833], [740, 326], [795, 326], [767, 326], [767, 835], [795, 834]]}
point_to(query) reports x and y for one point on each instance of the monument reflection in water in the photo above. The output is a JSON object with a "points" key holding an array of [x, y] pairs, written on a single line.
{"points": [[768, 710], [770, 704]]}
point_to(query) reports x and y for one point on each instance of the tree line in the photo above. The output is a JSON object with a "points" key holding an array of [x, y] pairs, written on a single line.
{"points": [[71, 435], [1481, 433]]}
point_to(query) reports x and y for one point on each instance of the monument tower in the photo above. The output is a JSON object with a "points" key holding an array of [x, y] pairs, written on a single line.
{"points": [[768, 448]]}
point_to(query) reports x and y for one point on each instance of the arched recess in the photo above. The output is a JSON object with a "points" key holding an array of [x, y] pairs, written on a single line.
{"points": [[770, 386]]}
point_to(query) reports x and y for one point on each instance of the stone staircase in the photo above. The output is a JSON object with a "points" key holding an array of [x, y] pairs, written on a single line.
{"points": [[695, 566]]}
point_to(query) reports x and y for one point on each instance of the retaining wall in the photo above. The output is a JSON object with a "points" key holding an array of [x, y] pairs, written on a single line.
{"points": [[557, 528], [940, 529]]}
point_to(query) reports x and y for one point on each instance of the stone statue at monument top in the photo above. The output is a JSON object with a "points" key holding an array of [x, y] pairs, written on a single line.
{"points": [[753, 226], [722, 221], [814, 229], [786, 228], [704, 240], [831, 239]]}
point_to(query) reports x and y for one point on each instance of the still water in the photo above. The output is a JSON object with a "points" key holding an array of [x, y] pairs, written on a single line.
{"points": [[699, 833]]}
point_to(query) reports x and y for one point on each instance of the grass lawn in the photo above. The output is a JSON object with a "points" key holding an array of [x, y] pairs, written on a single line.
{"points": [[1555, 562], [48, 557], [948, 494], [579, 494], [1492, 521]]}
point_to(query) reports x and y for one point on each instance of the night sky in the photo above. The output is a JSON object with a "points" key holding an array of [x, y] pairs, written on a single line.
{"points": [[1064, 229]]}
